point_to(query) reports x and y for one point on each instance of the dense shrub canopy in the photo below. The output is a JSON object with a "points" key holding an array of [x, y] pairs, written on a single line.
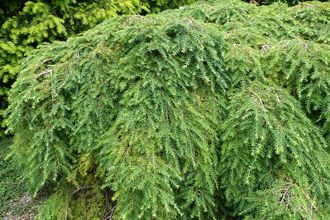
{"points": [[27, 24], [102, 107], [220, 108]]}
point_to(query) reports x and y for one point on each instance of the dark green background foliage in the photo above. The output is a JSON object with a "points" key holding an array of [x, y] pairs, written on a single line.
{"points": [[289, 2], [220, 109], [26, 24]]}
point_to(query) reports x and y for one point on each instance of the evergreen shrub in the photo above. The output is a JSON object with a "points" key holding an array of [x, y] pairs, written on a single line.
{"points": [[86, 109], [213, 111]]}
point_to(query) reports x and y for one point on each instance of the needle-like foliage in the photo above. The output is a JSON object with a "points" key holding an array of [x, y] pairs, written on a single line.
{"points": [[303, 67], [150, 127], [215, 109], [266, 136]]}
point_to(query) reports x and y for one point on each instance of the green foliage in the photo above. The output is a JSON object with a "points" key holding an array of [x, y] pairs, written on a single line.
{"points": [[223, 107], [66, 203], [292, 41], [131, 110], [267, 136], [164, 138], [285, 199], [159, 5], [303, 68], [7, 174], [264, 139], [26, 24], [56, 207], [12, 187]]}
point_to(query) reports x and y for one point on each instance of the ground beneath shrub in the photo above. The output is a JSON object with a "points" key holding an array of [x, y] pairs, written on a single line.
{"points": [[21, 208], [15, 201]]}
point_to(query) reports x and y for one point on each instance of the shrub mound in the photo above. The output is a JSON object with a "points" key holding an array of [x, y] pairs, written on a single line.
{"points": [[25, 24], [216, 110]]}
